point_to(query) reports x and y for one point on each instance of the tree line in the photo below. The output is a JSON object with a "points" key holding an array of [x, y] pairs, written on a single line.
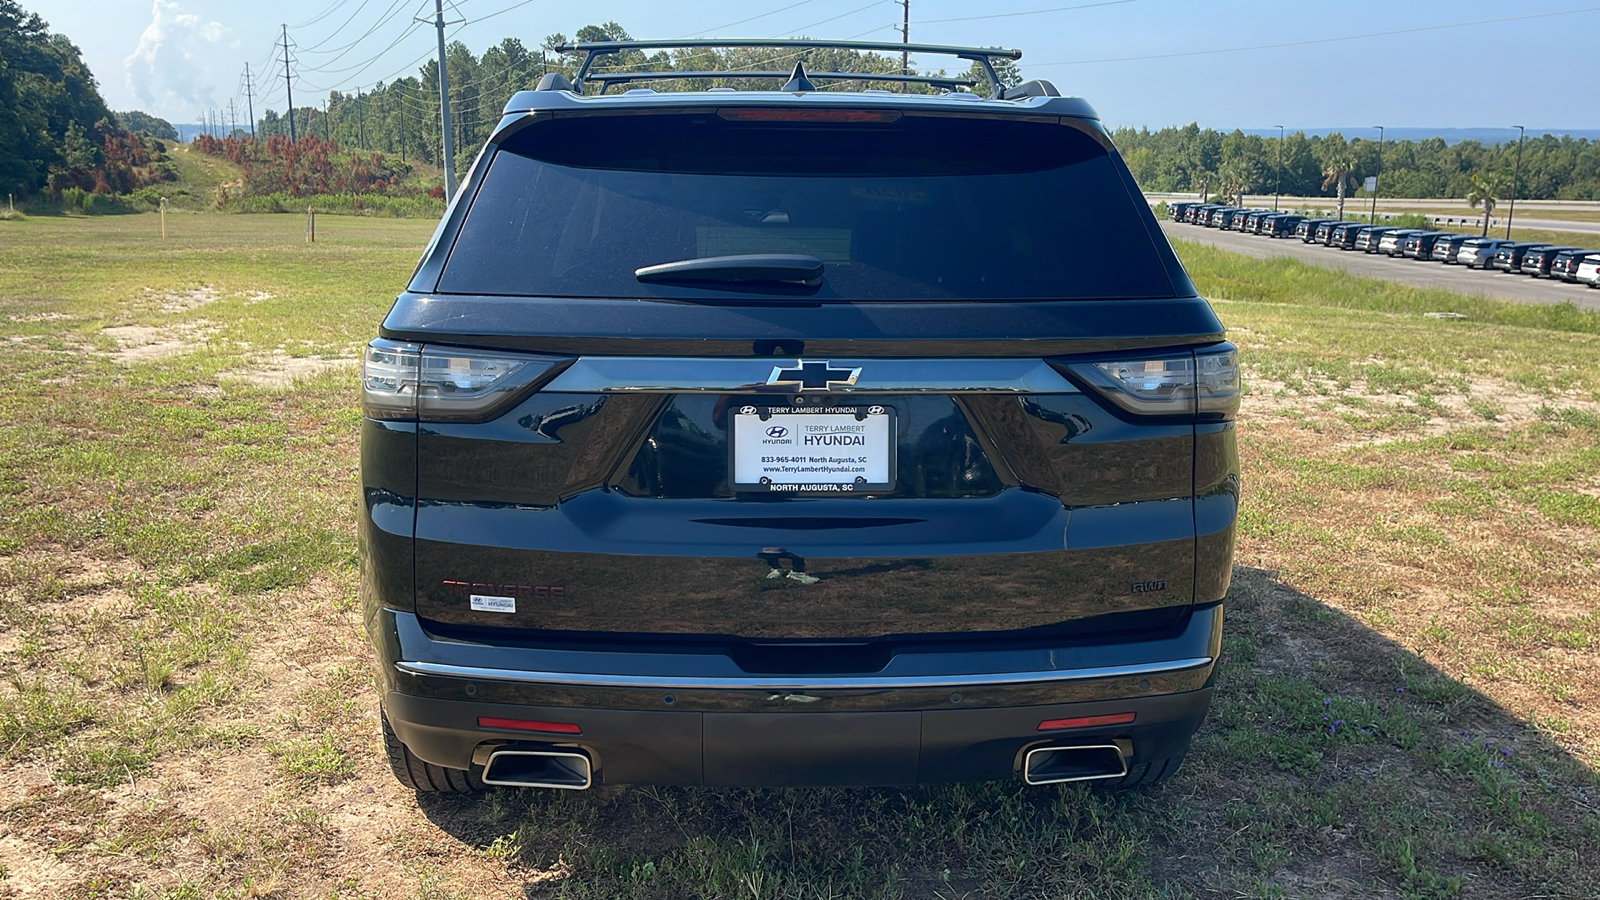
{"points": [[402, 116], [55, 130], [1192, 158]]}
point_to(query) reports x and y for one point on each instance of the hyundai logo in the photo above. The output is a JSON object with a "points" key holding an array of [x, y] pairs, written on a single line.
{"points": [[777, 431]]}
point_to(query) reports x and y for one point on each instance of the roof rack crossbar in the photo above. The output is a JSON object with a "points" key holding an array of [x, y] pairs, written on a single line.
{"points": [[983, 56], [606, 79]]}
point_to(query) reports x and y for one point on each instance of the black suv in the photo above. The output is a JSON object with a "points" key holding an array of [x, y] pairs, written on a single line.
{"points": [[1536, 261], [1282, 225], [767, 438], [1508, 257], [1565, 264]]}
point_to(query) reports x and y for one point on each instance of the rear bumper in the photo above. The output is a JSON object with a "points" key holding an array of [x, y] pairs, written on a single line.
{"points": [[928, 716]]}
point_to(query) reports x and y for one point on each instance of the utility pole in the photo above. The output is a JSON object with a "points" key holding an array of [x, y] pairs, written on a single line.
{"points": [[233, 118], [287, 82], [361, 121], [249, 97], [1277, 190], [444, 106], [1374, 215], [402, 107], [1516, 172], [905, 38], [325, 123]]}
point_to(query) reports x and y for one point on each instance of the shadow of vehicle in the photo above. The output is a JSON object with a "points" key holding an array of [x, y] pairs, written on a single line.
{"points": [[1335, 763]]}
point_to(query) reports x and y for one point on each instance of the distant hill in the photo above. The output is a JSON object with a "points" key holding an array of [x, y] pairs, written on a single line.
{"points": [[188, 130], [1450, 135]]}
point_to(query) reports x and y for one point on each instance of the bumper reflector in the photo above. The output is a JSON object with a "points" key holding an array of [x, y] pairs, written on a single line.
{"points": [[526, 725], [1081, 721]]}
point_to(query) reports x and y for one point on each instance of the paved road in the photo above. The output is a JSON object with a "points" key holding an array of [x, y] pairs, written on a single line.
{"points": [[1587, 228], [1361, 203], [1460, 279]]}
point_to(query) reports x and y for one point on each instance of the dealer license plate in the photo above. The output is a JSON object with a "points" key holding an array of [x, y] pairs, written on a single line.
{"points": [[812, 449]]}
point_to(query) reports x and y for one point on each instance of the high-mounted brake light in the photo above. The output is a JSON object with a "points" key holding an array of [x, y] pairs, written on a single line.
{"points": [[745, 114], [1204, 384], [441, 384]]}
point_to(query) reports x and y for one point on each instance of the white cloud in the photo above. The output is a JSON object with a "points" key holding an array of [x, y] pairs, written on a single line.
{"points": [[166, 71]]}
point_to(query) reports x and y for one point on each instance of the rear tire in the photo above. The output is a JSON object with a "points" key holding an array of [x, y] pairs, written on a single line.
{"points": [[1148, 774], [422, 776]]}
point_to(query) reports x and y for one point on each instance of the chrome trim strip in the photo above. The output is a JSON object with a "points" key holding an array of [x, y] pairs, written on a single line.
{"points": [[820, 683], [719, 375]]}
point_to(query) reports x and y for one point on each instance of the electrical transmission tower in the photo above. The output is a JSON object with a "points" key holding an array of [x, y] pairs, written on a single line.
{"points": [[249, 96], [288, 83]]}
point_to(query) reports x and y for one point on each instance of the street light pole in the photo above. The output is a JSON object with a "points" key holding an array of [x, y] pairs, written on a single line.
{"points": [[1515, 173], [1374, 216], [1277, 190]]}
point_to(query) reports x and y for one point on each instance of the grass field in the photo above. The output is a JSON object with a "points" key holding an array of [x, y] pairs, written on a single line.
{"points": [[1408, 704]]}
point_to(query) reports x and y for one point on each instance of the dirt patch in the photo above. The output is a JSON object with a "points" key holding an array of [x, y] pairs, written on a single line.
{"points": [[143, 343], [183, 301], [251, 297], [282, 370], [1361, 415], [42, 317], [33, 871]]}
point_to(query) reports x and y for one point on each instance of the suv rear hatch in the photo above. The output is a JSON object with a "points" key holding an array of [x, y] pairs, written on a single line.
{"points": [[999, 363]]}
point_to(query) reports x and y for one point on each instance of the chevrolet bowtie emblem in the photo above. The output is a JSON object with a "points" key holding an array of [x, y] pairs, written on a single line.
{"points": [[812, 375]]}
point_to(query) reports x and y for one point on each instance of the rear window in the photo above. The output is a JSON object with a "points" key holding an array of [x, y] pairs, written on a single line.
{"points": [[921, 208]]}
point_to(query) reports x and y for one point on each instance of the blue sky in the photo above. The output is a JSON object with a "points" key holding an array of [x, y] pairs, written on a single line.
{"points": [[177, 57]]}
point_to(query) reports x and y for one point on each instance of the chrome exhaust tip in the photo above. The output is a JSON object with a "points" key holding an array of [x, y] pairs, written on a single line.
{"points": [[1053, 765], [562, 770]]}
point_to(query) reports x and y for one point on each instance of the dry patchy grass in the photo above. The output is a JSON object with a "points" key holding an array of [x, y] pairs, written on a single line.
{"points": [[1406, 706]]}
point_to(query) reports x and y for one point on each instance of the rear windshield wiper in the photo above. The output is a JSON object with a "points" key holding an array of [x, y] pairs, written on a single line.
{"points": [[747, 270]]}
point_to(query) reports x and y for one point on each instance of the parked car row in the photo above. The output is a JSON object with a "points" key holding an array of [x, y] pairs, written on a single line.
{"points": [[1572, 264]]}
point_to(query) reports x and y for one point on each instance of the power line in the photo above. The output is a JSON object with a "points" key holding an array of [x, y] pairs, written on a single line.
{"points": [[322, 15], [495, 13], [1031, 12], [363, 66], [836, 18], [341, 27], [751, 19], [1350, 37], [340, 51]]}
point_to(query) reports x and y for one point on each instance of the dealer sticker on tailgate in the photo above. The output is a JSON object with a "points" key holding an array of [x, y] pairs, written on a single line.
{"points": [[813, 449]]}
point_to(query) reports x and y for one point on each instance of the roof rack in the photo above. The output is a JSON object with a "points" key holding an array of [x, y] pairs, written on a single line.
{"points": [[983, 56], [607, 79]]}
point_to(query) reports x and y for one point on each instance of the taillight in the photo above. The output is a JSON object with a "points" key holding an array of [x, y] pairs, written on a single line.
{"points": [[1204, 384], [444, 384]]}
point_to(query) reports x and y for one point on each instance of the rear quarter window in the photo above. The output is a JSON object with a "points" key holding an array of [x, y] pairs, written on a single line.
{"points": [[922, 208]]}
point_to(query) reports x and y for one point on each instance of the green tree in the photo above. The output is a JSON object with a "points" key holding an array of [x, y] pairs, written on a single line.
{"points": [[140, 122], [44, 89]]}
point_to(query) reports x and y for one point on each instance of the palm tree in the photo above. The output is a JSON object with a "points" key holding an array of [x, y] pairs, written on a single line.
{"points": [[1236, 176], [1337, 172], [1485, 192]]}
